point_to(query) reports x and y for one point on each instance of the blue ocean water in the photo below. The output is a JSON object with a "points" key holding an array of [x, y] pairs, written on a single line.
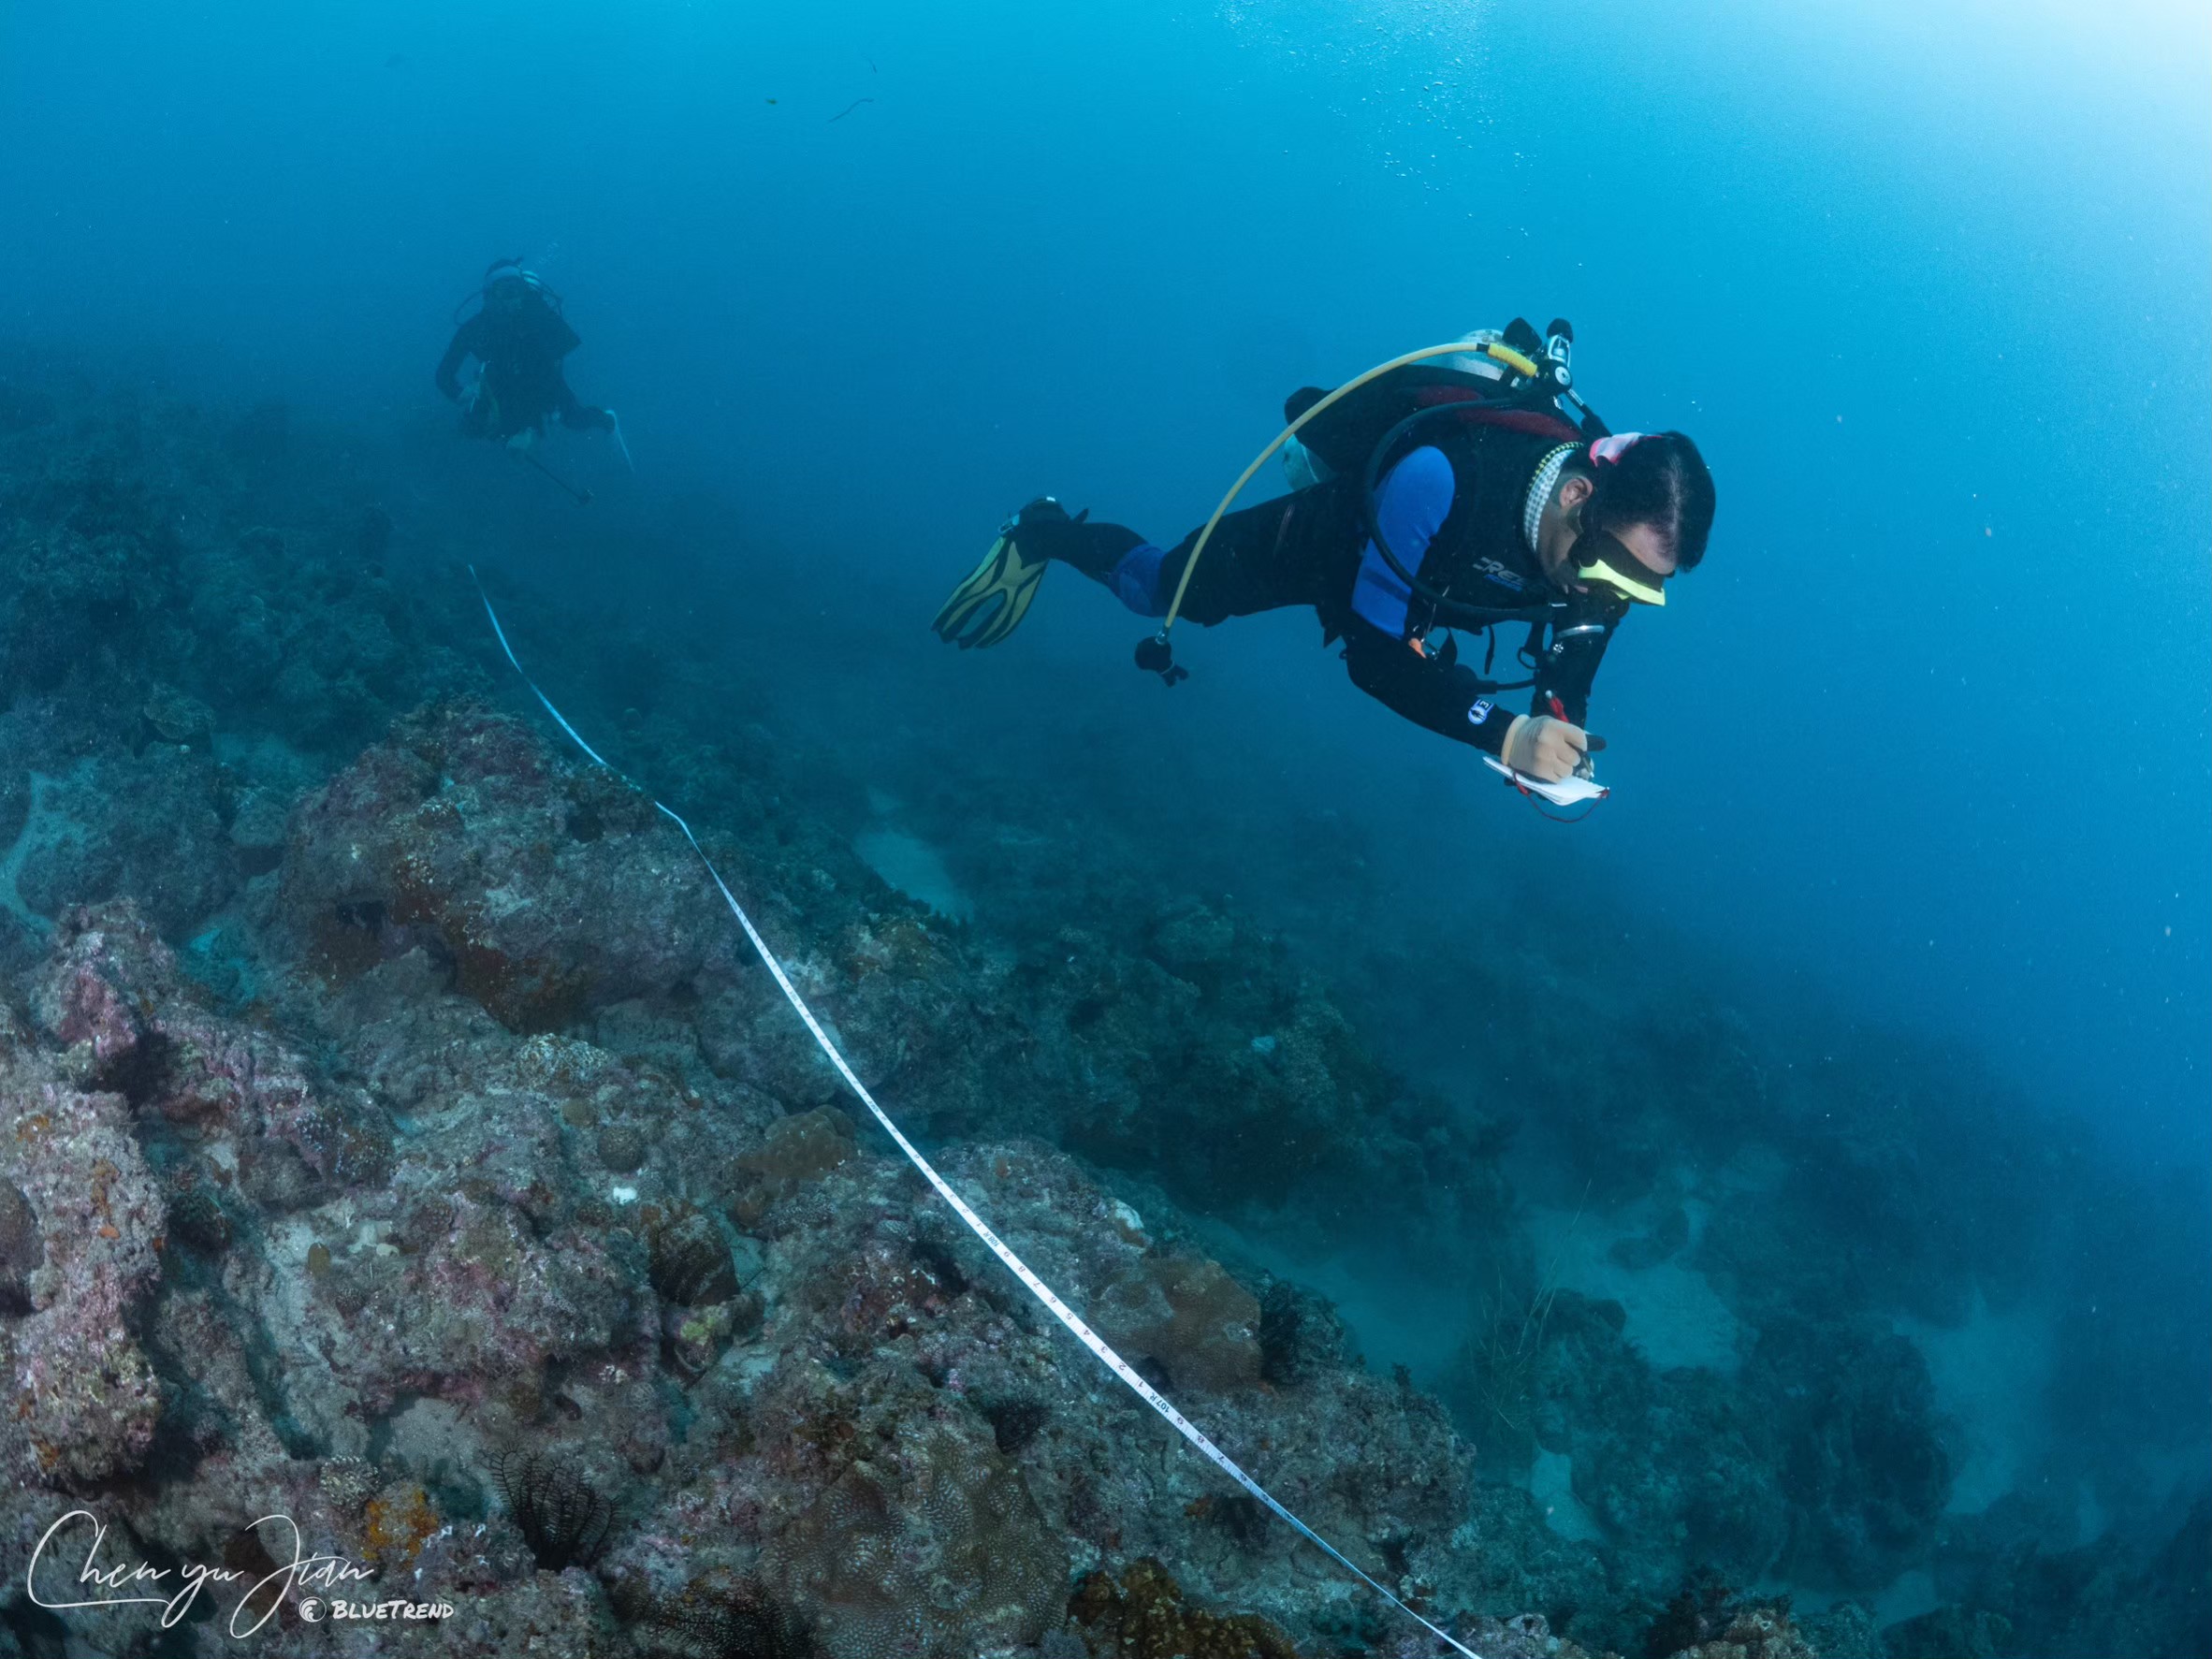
{"points": [[1924, 282], [1916, 759]]}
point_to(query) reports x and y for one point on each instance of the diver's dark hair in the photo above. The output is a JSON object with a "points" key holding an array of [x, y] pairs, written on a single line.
{"points": [[1660, 480]]}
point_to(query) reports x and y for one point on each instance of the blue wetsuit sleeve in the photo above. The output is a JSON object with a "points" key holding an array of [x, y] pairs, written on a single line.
{"points": [[1410, 504]]}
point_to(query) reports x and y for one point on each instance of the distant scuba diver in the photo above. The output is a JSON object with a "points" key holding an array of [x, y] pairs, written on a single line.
{"points": [[519, 336], [1430, 499]]}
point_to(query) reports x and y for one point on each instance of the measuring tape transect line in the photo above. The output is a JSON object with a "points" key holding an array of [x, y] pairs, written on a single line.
{"points": [[1044, 1293]]}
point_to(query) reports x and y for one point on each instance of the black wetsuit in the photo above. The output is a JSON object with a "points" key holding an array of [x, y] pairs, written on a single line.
{"points": [[1452, 503], [520, 348]]}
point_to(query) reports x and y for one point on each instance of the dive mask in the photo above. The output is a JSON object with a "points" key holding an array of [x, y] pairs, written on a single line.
{"points": [[510, 284], [1602, 560]]}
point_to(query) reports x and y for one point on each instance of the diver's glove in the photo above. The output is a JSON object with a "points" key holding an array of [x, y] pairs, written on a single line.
{"points": [[1546, 749]]}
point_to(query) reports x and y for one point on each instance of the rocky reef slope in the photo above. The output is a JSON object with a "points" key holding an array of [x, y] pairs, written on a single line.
{"points": [[401, 1139]]}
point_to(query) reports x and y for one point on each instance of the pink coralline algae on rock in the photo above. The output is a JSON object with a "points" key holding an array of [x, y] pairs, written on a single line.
{"points": [[549, 892], [83, 1403]]}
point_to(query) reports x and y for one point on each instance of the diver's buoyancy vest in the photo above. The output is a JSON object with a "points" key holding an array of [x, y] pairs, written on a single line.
{"points": [[1480, 539], [1481, 536]]}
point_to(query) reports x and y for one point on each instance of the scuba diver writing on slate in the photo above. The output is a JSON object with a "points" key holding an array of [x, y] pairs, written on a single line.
{"points": [[1465, 498]]}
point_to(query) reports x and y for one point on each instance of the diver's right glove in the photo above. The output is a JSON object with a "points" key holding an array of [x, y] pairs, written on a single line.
{"points": [[1543, 748]]}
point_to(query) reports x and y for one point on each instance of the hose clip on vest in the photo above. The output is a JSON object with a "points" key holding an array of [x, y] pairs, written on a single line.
{"points": [[1155, 655]]}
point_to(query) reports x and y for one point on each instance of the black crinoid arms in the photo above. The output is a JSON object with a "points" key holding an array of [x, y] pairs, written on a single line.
{"points": [[723, 1616], [563, 1518], [690, 1263]]}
